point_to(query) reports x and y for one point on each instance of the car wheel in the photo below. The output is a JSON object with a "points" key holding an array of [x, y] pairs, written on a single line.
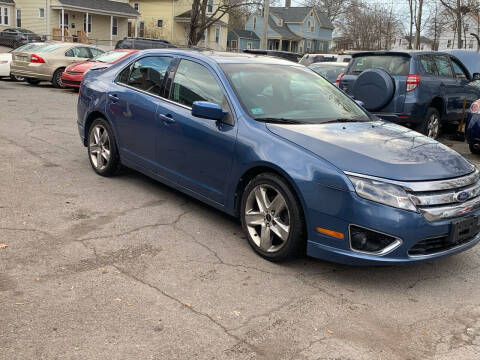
{"points": [[474, 148], [33, 81], [16, 78], [57, 78], [431, 125], [272, 218], [102, 148]]}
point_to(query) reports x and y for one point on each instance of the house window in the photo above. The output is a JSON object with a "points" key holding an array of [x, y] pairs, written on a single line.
{"points": [[280, 22], [310, 26], [234, 45], [309, 44], [65, 19], [5, 16], [449, 43], [210, 6], [135, 6], [159, 23], [141, 28], [470, 44], [87, 26], [466, 27], [114, 26], [255, 23], [19, 18], [249, 45], [217, 35], [41, 12]]}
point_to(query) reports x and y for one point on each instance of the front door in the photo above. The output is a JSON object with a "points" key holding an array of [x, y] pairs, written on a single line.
{"points": [[448, 83], [196, 152], [132, 105]]}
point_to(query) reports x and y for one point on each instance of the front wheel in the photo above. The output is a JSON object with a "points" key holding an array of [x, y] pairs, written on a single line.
{"points": [[272, 218], [102, 148], [431, 124], [57, 78]]}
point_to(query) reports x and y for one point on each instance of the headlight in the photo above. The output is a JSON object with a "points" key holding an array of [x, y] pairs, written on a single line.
{"points": [[382, 192]]}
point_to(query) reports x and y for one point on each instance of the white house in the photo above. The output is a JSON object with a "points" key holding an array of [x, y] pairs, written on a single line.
{"points": [[448, 36]]}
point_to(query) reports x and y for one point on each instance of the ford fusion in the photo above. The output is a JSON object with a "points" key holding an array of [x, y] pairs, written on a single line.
{"points": [[274, 143]]}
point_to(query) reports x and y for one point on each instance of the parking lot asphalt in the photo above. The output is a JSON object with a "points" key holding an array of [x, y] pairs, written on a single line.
{"points": [[127, 268]]}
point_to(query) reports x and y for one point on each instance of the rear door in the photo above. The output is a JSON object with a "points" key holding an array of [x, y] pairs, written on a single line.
{"points": [[449, 87]]}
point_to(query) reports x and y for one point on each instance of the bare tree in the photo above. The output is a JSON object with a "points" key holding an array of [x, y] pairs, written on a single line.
{"points": [[418, 25], [333, 8], [459, 8], [200, 20]]}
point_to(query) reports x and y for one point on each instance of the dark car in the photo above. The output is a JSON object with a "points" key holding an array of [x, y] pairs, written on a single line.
{"points": [[280, 54], [15, 38], [416, 88], [143, 43], [469, 58], [274, 143]]}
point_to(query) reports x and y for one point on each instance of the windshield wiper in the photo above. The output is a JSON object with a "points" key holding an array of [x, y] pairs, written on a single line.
{"points": [[275, 120], [342, 120]]}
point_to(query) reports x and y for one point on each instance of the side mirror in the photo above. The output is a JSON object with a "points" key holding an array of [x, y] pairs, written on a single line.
{"points": [[361, 103], [476, 76], [208, 110]]}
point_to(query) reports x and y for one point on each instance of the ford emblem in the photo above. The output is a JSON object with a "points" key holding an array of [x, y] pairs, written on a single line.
{"points": [[462, 196]]}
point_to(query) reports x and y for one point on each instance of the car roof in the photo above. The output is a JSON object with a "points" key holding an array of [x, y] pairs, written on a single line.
{"points": [[397, 52], [220, 57], [331, 63]]}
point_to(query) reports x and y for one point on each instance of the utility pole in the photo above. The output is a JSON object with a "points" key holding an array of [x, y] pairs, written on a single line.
{"points": [[266, 10]]}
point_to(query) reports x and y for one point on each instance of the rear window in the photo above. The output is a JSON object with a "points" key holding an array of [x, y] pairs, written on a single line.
{"points": [[393, 64], [48, 48]]}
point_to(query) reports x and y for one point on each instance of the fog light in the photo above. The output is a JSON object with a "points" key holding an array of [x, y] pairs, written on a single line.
{"points": [[371, 242]]}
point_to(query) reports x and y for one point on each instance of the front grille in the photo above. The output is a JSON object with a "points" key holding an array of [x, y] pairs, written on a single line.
{"points": [[435, 245], [69, 82], [446, 198], [74, 73]]}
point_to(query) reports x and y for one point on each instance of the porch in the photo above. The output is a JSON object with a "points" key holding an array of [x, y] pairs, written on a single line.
{"points": [[283, 44]]}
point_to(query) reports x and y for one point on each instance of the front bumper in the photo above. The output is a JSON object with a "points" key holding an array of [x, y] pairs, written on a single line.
{"points": [[410, 227], [72, 80]]}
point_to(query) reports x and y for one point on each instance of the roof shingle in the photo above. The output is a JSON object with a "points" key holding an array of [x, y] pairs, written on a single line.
{"points": [[246, 34], [298, 14], [102, 5]]}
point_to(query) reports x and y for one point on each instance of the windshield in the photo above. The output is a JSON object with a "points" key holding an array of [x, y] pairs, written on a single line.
{"points": [[393, 64], [110, 56], [330, 72], [286, 93]]}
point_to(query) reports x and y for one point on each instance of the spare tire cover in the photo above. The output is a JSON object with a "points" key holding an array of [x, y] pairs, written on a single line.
{"points": [[375, 88]]}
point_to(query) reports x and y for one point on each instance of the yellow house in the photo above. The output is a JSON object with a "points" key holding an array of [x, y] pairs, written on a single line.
{"points": [[170, 19], [103, 21]]}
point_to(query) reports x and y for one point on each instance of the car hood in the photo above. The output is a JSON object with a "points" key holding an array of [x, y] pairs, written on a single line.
{"points": [[378, 149], [83, 66]]}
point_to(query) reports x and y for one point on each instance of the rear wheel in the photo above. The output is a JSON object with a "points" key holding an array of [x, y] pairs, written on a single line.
{"points": [[431, 124], [57, 78], [272, 218], [16, 78], [474, 148], [33, 81]]}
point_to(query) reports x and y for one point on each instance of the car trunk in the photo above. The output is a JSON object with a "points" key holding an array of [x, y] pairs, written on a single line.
{"points": [[396, 104]]}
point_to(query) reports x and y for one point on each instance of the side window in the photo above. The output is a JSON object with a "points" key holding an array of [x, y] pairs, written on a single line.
{"points": [[124, 75], [69, 53], [443, 66], [194, 82], [81, 52], [459, 72], [148, 73], [428, 65], [95, 52]]}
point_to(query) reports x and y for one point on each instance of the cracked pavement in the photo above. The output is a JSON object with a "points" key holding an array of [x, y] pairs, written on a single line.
{"points": [[127, 268]]}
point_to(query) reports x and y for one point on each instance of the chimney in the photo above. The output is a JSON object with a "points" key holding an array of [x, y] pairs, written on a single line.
{"points": [[288, 3]]}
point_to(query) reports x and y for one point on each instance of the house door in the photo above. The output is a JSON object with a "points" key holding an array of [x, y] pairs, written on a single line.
{"points": [[130, 29]]}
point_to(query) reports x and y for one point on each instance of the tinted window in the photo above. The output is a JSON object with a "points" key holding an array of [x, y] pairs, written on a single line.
{"points": [[428, 65], [443, 66], [290, 93], [81, 52], [194, 82], [147, 74], [96, 52], [459, 72], [394, 65]]}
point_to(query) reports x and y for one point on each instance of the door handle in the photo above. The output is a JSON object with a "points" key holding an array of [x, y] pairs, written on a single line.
{"points": [[113, 97], [167, 119]]}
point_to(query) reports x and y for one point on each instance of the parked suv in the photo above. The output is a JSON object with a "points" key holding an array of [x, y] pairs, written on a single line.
{"points": [[143, 43], [417, 88]]}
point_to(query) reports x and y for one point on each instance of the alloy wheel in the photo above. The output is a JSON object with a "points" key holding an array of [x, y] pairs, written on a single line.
{"points": [[267, 218], [99, 147], [433, 126]]}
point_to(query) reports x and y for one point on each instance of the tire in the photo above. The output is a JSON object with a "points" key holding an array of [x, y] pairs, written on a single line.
{"points": [[103, 154], [258, 224], [474, 148], [16, 78], [429, 127], [57, 78], [375, 88], [32, 81]]}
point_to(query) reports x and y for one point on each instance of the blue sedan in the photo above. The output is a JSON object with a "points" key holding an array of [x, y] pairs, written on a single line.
{"points": [[303, 165]]}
